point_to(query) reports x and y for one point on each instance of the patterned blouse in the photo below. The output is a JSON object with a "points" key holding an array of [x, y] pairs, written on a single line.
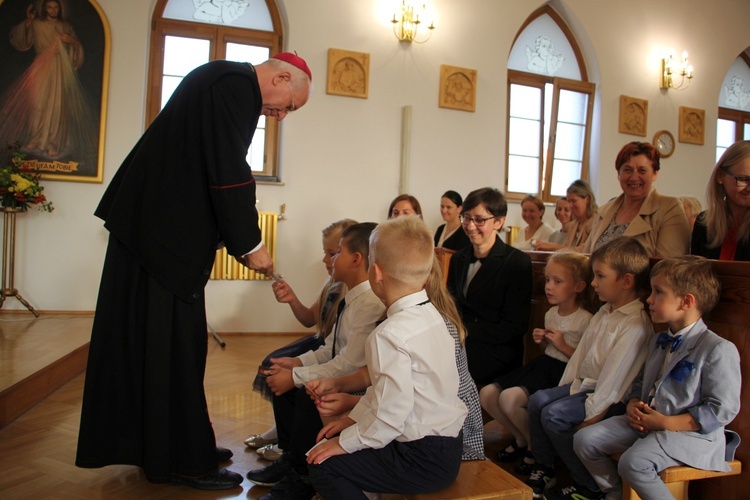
{"points": [[613, 231], [473, 429]]}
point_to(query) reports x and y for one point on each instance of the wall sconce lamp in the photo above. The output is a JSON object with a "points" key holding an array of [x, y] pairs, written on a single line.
{"points": [[670, 67], [408, 21]]}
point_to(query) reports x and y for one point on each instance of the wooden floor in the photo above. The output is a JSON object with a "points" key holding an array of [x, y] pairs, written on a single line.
{"points": [[37, 449]]}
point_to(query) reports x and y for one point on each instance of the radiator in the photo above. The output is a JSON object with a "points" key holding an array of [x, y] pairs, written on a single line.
{"points": [[226, 267]]}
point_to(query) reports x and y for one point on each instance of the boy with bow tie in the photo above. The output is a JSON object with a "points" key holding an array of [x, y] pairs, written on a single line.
{"points": [[688, 390]]}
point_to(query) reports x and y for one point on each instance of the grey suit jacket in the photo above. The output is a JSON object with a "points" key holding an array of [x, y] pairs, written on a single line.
{"points": [[703, 378]]}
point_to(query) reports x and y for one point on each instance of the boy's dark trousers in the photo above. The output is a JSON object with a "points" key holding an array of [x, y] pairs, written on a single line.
{"points": [[298, 424], [422, 466]]}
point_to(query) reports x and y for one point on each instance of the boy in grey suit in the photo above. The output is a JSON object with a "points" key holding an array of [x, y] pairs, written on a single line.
{"points": [[688, 391]]}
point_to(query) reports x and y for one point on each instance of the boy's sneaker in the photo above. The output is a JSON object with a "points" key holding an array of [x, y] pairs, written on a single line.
{"points": [[574, 492], [541, 478]]}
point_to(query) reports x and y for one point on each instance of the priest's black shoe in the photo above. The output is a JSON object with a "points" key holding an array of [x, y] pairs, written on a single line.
{"points": [[223, 454], [220, 479], [271, 474]]}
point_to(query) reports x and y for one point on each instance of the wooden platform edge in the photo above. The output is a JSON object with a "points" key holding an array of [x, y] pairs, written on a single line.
{"points": [[22, 396]]}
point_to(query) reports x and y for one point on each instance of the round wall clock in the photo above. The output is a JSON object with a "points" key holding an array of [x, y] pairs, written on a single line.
{"points": [[664, 142]]}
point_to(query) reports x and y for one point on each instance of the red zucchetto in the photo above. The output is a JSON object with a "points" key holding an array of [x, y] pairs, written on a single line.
{"points": [[294, 60]]}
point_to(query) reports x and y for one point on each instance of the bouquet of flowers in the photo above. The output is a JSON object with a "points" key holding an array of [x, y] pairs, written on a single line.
{"points": [[19, 184]]}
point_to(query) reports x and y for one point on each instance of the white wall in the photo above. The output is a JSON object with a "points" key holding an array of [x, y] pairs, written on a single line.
{"points": [[340, 156]]}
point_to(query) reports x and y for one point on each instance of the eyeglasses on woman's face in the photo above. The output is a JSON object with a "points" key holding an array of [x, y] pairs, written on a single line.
{"points": [[742, 181], [478, 221]]}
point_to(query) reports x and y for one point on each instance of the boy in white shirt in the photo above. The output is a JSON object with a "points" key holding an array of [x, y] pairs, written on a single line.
{"points": [[607, 360], [404, 436], [296, 416]]}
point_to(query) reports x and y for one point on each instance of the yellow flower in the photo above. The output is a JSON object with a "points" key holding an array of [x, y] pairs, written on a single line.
{"points": [[21, 183]]}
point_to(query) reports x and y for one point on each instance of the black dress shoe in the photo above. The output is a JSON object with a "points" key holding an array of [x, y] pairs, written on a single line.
{"points": [[220, 479], [271, 474], [223, 454]]}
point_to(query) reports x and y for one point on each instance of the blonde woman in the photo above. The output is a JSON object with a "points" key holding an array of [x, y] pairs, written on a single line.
{"points": [[563, 215], [582, 203], [723, 231]]}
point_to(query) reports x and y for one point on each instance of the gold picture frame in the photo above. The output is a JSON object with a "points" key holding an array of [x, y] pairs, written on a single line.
{"points": [[633, 116], [348, 73], [692, 126], [458, 88], [69, 145]]}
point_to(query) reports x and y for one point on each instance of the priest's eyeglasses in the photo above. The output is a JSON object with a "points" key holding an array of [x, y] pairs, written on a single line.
{"points": [[292, 107]]}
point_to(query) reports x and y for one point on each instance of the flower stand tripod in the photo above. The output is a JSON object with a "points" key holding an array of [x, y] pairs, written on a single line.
{"points": [[9, 254]]}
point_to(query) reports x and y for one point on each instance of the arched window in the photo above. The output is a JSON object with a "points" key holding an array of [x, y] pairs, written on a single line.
{"points": [[188, 33], [550, 108], [734, 105]]}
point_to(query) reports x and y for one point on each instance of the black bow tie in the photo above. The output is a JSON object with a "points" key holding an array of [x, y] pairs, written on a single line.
{"points": [[474, 258], [665, 339]]}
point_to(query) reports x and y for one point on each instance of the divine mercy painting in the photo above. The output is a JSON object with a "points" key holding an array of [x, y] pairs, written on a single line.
{"points": [[53, 85]]}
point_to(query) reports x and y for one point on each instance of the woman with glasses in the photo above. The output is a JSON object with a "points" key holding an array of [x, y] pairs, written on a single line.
{"points": [[491, 283], [723, 231], [657, 222]]}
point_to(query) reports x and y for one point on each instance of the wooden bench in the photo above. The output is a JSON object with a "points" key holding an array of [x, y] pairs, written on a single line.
{"points": [[477, 480], [731, 320], [443, 256], [678, 480]]}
